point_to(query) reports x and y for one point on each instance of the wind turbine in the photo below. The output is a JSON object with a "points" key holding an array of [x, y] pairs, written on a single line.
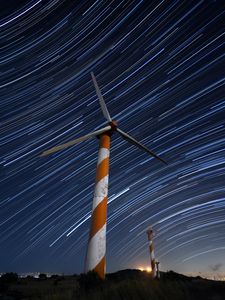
{"points": [[96, 251]]}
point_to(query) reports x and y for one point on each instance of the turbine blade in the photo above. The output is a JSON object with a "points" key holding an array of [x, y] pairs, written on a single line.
{"points": [[76, 141], [139, 145], [101, 100]]}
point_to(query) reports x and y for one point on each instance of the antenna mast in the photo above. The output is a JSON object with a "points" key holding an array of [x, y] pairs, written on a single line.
{"points": [[151, 250]]}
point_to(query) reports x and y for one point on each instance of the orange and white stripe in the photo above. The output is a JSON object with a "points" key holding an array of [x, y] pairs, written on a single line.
{"points": [[152, 252], [157, 270], [95, 259], [152, 258]]}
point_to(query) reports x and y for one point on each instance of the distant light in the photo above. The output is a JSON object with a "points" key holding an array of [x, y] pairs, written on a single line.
{"points": [[147, 269]]}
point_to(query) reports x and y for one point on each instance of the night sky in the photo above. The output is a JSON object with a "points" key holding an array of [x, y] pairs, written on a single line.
{"points": [[160, 66]]}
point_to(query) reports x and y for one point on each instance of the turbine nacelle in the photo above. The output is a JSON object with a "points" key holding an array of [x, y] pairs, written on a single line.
{"points": [[114, 125]]}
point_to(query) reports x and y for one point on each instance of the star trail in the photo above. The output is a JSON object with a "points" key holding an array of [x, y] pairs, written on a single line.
{"points": [[160, 66]]}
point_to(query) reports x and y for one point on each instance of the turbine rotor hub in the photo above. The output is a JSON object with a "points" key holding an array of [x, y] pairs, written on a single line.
{"points": [[113, 125]]}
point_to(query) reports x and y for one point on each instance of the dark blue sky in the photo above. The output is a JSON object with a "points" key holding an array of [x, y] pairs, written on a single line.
{"points": [[160, 65]]}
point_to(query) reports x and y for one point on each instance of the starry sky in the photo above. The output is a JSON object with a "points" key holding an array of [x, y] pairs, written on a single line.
{"points": [[160, 66]]}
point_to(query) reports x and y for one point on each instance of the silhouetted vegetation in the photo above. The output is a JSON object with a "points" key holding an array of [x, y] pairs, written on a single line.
{"points": [[42, 276], [89, 282], [9, 277], [122, 285]]}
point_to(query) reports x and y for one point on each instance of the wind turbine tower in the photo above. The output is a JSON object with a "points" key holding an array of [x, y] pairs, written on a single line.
{"points": [[96, 250], [151, 250]]}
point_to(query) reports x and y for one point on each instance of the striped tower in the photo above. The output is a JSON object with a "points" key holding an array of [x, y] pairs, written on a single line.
{"points": [[95, 259], [152, 253], [157, 270]]}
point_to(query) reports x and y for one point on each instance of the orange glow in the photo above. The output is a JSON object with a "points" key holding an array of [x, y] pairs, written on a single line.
{"points": [[148, 269]]}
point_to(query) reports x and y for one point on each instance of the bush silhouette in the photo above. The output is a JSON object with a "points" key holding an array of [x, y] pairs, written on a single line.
{"points": [[9, 277], [42, 276], [89, 281]]}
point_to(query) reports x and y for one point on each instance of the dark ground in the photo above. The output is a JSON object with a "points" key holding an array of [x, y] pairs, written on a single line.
{"points": [[122, 285]]}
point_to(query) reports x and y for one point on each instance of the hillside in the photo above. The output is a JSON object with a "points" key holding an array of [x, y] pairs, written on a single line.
{"points": [[125, 284]]}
